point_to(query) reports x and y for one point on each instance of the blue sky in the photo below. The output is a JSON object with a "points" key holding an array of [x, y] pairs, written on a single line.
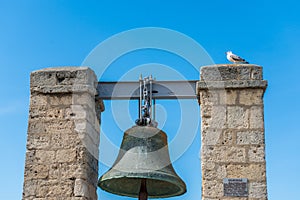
{"points": [[36, 34]]}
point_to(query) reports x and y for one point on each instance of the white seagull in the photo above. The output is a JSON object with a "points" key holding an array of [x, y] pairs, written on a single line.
{"points": [[235, 58]]}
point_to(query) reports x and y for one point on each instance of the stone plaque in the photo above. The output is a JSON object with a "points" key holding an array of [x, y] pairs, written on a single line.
{"points": [[235, 187]]}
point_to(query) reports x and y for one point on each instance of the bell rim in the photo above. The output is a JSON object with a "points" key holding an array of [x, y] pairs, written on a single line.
{"points": [[178, 182]]}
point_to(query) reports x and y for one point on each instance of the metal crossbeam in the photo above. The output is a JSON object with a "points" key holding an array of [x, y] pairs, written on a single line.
{"points": [[161, 90]]}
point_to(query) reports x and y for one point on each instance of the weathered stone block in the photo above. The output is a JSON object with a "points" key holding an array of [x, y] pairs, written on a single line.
{"points": [[70, 170], [30, 157], [258, 190], [30, 188], [36, 171], [206, 111], [55, 188], [225, 72], [76, 112], [83, 126], [63, 80], [251, 96], [43, 112], [216, 173], [64, 189], [210, 165], [228, 137], [89, 144], [43, 188], [44, 156], [223, 154], [257, 154], [37, 112], [211, 136], [38, 78], [64, 141], [245, 73], [81, 188], [62, 126], [212, 189], [228, 97], [250, 137], [36, 126], [254, 172], [217, 119], [209, 97], [230, 84], [38, 100], [60, 99], [65, 155], [54, 171], [210, 74], [256, 73], [38, 141], [55, 113], [256, 117], [228, 73], [83, 99], [63, 76], [85, 156], [79, 169], [80, 112], [237, 117]]}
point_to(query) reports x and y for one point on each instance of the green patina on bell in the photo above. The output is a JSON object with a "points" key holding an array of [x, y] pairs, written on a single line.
{"points": [[143, 167]]}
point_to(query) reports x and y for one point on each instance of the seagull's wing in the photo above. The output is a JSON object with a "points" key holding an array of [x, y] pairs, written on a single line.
{"points": [[237, 58]]}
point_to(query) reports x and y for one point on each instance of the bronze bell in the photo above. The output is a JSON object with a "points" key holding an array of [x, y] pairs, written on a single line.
{"points": [[143, 167]]}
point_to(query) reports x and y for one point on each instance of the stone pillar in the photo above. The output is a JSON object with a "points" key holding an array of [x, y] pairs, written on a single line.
{"points": [[232, 131], [63, 135]]}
